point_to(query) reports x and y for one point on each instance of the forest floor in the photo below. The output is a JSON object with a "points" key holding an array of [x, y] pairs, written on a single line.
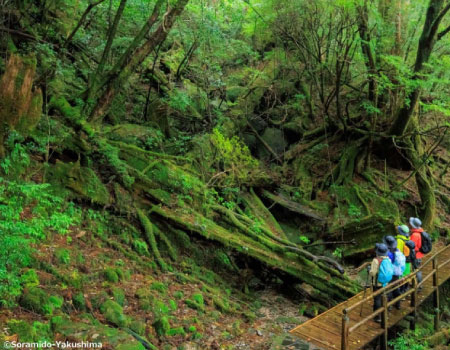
{"points": [[260, 319]]}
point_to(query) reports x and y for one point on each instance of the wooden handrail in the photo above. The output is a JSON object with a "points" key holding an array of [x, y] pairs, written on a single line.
{"points": [[347, 330], [399, 282]]}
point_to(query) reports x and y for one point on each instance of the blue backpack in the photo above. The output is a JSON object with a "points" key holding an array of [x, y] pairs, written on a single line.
{"points": [[385, 271], [399, 263]]}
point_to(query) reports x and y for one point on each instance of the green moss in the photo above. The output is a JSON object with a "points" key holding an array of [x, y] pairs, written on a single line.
{"points": [[56, 301], [142, 293], [162, 326], [113, 313], [138, 327], [148, 228], [178, 294], [198, 298], [159, 286], [173, 305], [159, 308], [82, 181], [176, 331], [119, 296], [24, 330], [222, 304], [79, 301], [110, 275], [196, 302], [133, 345], [71, 113]]}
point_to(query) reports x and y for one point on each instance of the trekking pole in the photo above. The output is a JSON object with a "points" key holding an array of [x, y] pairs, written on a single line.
{"points": [[365, 290]]}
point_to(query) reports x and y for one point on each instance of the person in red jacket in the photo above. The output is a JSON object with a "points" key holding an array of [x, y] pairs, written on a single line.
{"points": [[416, 230]]}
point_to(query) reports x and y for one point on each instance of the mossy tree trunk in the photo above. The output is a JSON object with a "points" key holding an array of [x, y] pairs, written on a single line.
{"points": [[134, 57]]}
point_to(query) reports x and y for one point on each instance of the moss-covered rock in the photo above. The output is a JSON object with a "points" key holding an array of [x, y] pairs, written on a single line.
{"points": [[162, 326], [176, 331], [133, 345], [110, 275], [159, 286], [138, 327], [196, 302], [113, 313], [85, 331], [119, 296], [82, 181]]}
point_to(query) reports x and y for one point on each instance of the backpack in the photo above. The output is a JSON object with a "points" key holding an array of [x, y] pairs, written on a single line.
{"points": [[426, 243], [385, 271], [401, 245], [412, 253], [399, 263]]}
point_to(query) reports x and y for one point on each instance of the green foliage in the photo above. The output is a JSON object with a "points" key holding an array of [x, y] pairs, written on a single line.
{"points": [[235, 157], [411, 340], [304, 239], [29, 279], [338, 252], [28, 212], [18, 159]]}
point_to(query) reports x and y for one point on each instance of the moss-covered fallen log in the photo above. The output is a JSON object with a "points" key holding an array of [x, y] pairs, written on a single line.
{"points": [[292, 206], [330, 285]]}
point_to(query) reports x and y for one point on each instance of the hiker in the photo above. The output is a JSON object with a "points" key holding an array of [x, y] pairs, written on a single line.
{"points": [[411, 263], [381, 271], [398, 261], [402, 238], [422, 243]]}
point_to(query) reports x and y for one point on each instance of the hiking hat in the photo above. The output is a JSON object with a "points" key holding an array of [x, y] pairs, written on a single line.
{"points": [[403, 230], [381, 249], [390, 241], [415, 222]]}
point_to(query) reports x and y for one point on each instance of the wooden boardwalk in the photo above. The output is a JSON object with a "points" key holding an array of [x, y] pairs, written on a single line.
{"points": [[342, 327]]}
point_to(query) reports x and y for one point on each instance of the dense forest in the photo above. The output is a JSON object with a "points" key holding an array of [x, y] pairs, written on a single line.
{"points": [[207, 174]]}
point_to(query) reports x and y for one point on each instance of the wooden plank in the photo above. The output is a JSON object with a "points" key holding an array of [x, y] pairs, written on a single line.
{"points": [[325, 329]]}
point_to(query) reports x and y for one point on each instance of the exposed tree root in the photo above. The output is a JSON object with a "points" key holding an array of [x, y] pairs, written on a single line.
{"points": [[150, 238]]}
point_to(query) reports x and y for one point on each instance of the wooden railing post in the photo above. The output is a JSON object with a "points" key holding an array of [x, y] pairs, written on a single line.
{"points": [[412, 324], [344, 331], [384, 323], [436, 293]]}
